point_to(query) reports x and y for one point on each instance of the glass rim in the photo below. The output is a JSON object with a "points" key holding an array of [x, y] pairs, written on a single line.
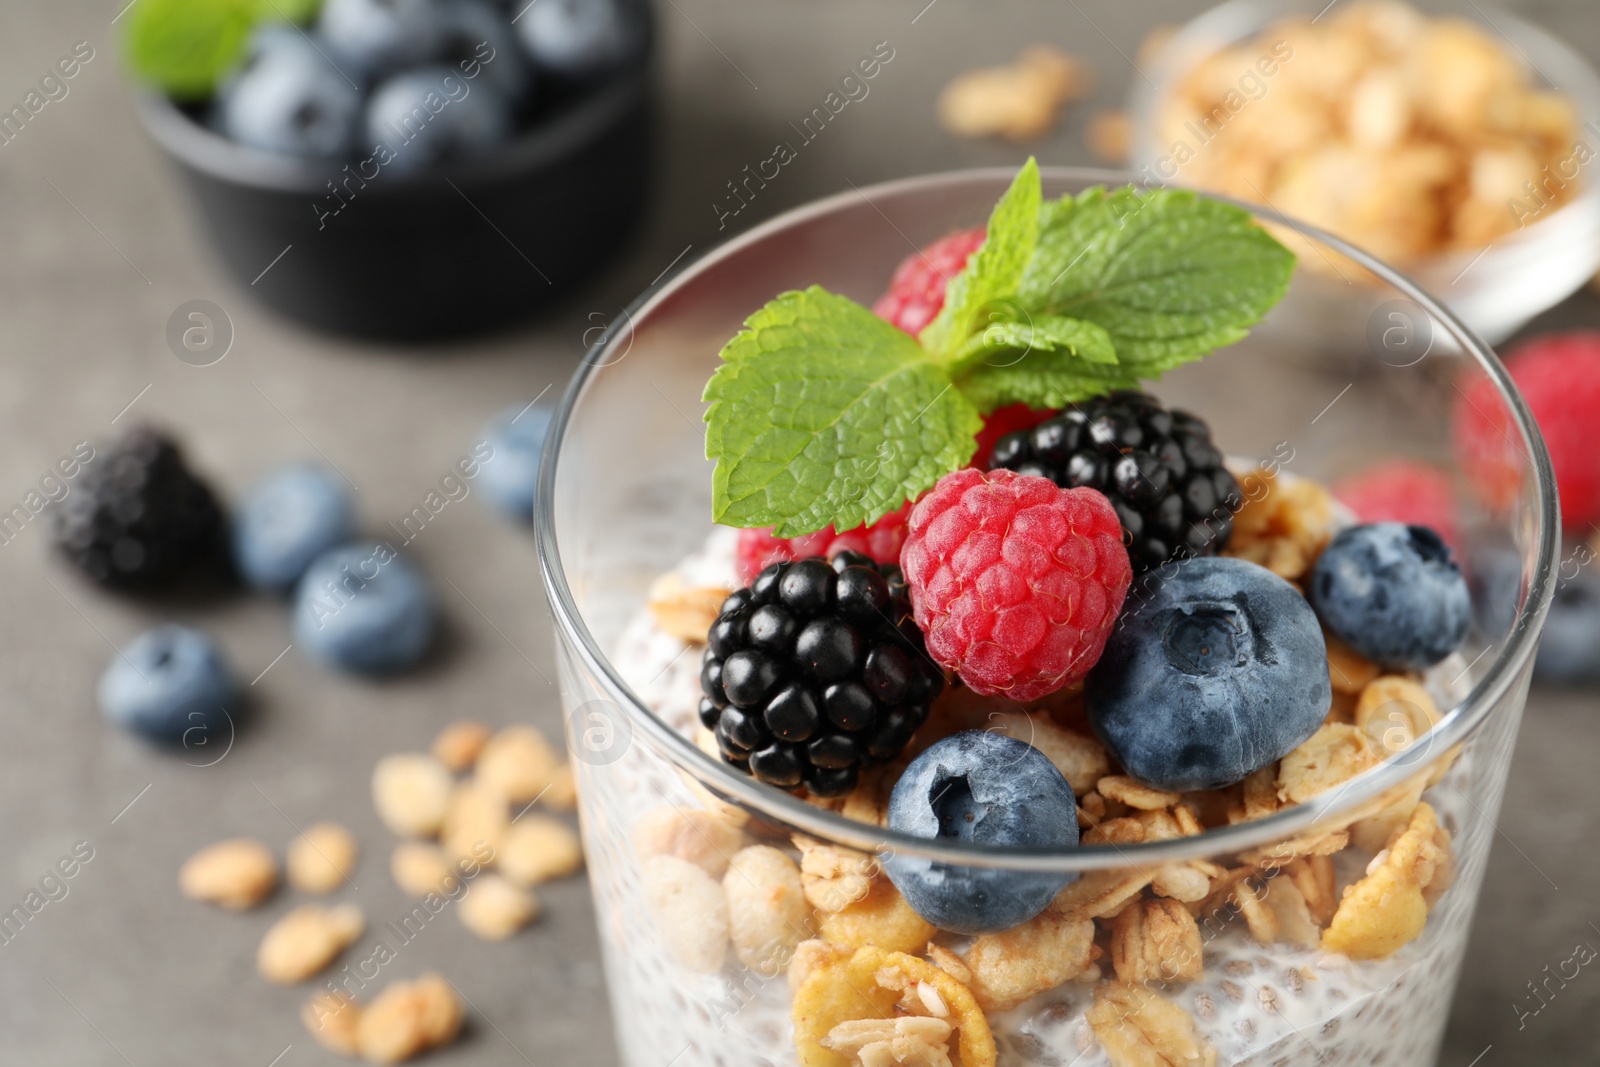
{"points": [[1458, 724]]}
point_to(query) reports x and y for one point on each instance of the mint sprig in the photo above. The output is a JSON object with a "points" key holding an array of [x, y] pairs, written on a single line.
{"points": [[996, 269], [1170, 274], [186, 47], [822, 413]]}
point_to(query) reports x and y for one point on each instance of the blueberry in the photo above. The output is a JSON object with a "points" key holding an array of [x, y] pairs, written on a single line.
{"points": [[991, 789], [171, 685], [362, 607], [374, 37], [1569, 653], [288, 98], [285, 521], [510, 473], [478, 41], [1217, 668], [432, 114], [581, 39], [1394, 594]]}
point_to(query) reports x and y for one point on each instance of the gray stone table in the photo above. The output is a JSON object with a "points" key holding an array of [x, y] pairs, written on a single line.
{"points": [[97, 247]]}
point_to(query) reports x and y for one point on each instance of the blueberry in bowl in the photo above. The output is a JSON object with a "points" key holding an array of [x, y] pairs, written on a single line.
{"points": [[289, 98], [403, 169], [1216, 669], [983, 787]]}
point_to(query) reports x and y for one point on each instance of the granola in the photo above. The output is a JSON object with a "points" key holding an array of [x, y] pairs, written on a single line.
{"points": [[238, 873], [1139, 1028], [1387, 908], [1009, 967], [686, 612], [1156, 941], [767, 911]]}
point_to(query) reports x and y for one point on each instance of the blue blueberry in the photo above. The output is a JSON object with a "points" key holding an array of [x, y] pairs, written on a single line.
{"points": [[511, 473], [1569, 653], [986, 788], [287, 98], [364, 608], [479, 41], [433, 113], [287, 520], [373, 37], [171, 685], [1393, 593], [581, 39], [1216, 668]]}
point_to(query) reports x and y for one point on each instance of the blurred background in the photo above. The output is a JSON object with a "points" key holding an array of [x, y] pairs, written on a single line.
{"points": [[407, 311]]}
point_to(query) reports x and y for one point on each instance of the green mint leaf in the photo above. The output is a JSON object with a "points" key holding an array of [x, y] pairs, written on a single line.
{"points": [[823, 413], [1170, 275], [1012, 334], [995, 268], [184, 47], [1048, 363], [299, 12]]}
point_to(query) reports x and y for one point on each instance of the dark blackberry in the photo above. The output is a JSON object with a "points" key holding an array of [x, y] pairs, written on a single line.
{"points": [[815, 670], [139, 517], [1159, 469]]}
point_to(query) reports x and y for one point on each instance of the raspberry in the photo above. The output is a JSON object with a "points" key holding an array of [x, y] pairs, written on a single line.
{"points": [[1159, 468], [880, 542], [814, 670], [1015, 581], [1401, 490], [140, 517], [916, 292], [1559, 376]]}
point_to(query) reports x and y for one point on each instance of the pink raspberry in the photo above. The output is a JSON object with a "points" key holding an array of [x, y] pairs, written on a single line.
{"points": [[881, 541], [1559, 375], [1015, 581], [916, 292], [1402, 490]]}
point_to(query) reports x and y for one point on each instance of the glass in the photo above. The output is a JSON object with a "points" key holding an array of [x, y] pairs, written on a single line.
{"points": [[625, 495], [1494, 291]]}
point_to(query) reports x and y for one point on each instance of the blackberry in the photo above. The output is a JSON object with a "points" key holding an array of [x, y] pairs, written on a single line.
{"points": [[1158, 468], [814, 670], [139, 517]]}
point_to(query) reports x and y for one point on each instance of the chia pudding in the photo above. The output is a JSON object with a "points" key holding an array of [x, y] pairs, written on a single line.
{"points": [[1267, 1004]]}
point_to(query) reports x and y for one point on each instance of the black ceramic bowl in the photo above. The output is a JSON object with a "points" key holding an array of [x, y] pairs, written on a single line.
{"points": [[459, 249]]}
